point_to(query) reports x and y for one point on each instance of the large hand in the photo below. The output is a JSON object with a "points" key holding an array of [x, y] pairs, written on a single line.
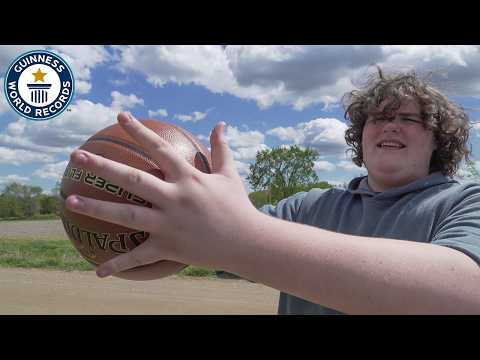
{"points": [[196, 218]]}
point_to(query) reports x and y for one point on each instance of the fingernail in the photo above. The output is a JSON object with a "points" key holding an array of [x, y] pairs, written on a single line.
{"points": [[80, 158], [76, 202], [221, 135], [125, 119], [102, 273]]}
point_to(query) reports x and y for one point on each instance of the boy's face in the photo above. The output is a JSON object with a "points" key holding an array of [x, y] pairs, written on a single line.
{"points": [[397, 150]]}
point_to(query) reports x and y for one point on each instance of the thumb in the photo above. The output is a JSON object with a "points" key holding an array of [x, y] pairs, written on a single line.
{"points": [[143, 254], [222, 157]]}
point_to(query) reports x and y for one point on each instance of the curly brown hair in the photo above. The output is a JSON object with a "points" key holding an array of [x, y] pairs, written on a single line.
{"points": [[448, 121]]}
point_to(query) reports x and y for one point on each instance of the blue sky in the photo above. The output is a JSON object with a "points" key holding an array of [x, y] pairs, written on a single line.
{"points": [[268, 96]]}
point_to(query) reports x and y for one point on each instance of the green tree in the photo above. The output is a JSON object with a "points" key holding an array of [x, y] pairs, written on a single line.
{"points": [[48, 204], [472, 171], [259, 198], [10, 207], [283, 171], [469, 172], [26, 199]]}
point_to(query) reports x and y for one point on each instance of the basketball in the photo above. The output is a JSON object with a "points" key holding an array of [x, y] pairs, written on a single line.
{"points": [[99, 241]]}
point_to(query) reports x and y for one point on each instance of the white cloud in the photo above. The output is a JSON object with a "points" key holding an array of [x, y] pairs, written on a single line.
{"points": [[158, 112], [82, 59], [195, 116], [19, 157], [62, 134], [244, 144], [287, 134], [298, 76], [4, 107], [349, 166], [82, 87], [203, 138], [243, 168], [198, 115], [326, 135], [14, 178], [292, 75], [323, 165], [441, 55], [237, 138], [248, 153], [204, 65], [121, 101], [183, 118], [51, 171], [8, 53]]}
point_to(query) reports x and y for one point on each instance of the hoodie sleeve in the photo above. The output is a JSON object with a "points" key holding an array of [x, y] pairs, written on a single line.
{"points": [[286, 209], [460, 229]]}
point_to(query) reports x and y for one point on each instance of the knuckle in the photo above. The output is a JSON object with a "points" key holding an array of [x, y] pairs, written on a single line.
{"points": [[196, 178], [134, 177], [184, 199], [161, 146], [98, 162], [130, 216]]}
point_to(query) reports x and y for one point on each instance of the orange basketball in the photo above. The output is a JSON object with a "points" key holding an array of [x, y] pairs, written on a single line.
{"points": [[99, 241]]}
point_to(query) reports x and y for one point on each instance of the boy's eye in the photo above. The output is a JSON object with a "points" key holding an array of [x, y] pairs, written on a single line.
{"points": [[412, 121]]}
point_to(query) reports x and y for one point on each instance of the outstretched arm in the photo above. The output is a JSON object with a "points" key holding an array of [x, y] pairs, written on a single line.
{"points": [[349, 273]]}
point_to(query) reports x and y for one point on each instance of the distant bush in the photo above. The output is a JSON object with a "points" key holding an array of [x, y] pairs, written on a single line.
{"points": [[260, 198]]}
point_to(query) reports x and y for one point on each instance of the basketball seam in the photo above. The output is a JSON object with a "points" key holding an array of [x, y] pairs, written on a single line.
{"points": [[122, 143], [140, 152]]}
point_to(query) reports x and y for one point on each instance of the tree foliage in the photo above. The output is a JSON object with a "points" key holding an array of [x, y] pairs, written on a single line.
{"points": [[23, 201], [280, 172]]}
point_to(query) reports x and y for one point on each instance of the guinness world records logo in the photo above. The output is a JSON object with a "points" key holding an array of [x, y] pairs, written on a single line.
{"points": [[39, 85]]}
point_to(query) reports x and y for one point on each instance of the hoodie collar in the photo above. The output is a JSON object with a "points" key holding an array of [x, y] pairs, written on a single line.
{"points": [[360, 186]]}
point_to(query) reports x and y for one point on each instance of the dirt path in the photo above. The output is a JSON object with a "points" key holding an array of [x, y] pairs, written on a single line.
{"points": [[33, 228], [28, 291]]}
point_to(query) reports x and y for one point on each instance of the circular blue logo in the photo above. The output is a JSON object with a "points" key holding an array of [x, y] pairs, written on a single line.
{"points": [[39, 85]]}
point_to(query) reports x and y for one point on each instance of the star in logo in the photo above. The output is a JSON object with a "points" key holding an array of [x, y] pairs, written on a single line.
{"points": [[39, 75]]}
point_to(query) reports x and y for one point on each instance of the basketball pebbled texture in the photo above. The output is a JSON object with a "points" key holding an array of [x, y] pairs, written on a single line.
{"points": [[98, 241]]}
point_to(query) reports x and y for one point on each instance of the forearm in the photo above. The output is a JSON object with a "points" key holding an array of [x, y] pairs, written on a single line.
{"points": [[356, 274]]}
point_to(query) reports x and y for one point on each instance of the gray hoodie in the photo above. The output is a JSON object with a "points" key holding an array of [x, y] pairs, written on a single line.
{"points": [[436, 209]]}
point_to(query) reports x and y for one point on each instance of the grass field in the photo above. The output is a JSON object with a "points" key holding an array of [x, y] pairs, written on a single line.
{"points": [[56, 254]]}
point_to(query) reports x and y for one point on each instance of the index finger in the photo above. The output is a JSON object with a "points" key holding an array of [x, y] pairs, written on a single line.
{"points": [[173, 165]]}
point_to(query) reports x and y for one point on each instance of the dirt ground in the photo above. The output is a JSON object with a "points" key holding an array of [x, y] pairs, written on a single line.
{"points": [[36, 228], [47, 292], [28, 291]]}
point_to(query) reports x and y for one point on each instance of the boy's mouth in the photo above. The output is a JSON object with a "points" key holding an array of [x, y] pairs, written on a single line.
{"points": [[390, 145]]}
